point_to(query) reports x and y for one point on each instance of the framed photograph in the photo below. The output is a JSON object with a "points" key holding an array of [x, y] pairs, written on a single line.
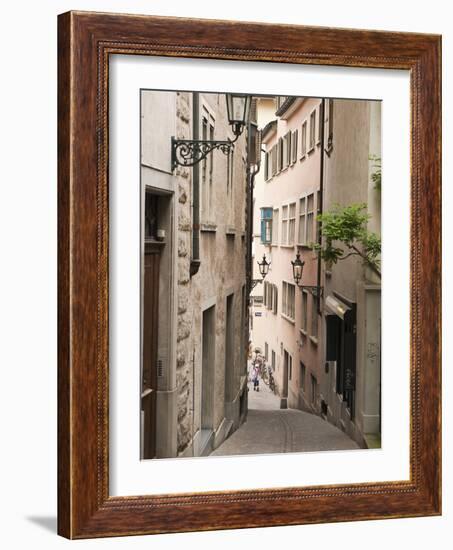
{"points": [[249, 275]]}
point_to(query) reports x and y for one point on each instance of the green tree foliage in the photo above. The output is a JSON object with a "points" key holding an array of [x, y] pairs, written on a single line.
{"points": [[345, 234]]}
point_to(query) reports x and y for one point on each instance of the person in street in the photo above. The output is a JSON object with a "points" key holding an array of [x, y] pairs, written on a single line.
{"points": [[256, 378]]}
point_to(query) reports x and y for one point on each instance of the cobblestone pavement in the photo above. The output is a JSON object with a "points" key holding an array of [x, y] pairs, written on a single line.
{"points": [[269, 429]]}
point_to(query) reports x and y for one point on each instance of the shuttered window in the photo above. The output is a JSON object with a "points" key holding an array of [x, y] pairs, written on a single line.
{"points": [[266, 225]]}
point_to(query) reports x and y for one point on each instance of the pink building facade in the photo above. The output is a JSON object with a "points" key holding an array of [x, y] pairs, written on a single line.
{"points": [[286, 326], [321, 337]]}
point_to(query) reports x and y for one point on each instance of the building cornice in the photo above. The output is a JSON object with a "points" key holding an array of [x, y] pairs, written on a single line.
{"points": [[288, 107], [269, 130]]}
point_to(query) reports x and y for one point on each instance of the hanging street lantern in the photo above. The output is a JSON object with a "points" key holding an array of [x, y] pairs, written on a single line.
{"points": [[264, 270], [298, 268], [189, 152], [264, 266], [238, 111]]}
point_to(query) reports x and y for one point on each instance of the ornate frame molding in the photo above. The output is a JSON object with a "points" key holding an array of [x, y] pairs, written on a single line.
{"points": [[86, 40]]}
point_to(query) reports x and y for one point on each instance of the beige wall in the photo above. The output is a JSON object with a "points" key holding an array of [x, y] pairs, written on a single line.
{"points": [[356, 136]]}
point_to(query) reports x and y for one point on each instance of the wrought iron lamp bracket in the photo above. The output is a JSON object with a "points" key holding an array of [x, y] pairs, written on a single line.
{"points": [[255, 282], [189, 152]]}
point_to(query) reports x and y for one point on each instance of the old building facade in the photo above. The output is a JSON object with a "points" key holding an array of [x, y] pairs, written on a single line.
{"points": [[193, 279], [322, 340], [352, 292], [285, 327]]}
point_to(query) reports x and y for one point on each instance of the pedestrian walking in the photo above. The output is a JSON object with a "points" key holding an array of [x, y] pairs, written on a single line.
{"points": [[256, 379]]}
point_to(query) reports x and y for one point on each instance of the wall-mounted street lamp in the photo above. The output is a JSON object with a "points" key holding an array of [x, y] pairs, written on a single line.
{"points": [[298, 268], [189, 152], [264, 270]]}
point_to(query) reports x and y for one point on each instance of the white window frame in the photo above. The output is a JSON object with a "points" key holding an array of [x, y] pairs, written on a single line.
{"points": [[318, 212], [286, 152], [279, 155], [294, 138], [302, 221], [304, 311], [275, 300], [288, 307], [275, 223], [303, 140], [267, 172], [207, 164], [292, 224], [284, 224], [274, 164], [312, 133], [310, 219]]}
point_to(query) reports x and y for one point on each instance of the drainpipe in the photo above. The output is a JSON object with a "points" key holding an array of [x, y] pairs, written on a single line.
{"points": [[251, 173], [320, 209], [195, 257], [249, 271]]}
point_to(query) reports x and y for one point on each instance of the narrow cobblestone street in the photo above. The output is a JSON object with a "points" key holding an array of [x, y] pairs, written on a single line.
{"points": [[269, 429]]}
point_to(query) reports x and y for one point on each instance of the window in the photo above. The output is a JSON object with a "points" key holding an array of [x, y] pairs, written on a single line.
{"points": [[266, 166], [294, 136], [288, 298], [275, 299], [270, 296], [310, 218], [303, 149], [280, 154], [304, 311], [302, 221], [302, 376], [268, 289], [266, 351], [292, 223], [314, 317], [307, 219], [284, 225], [266, 225], [273, 154], [290, 367], [273, 360], [318, 212], [230, 190], [207, 165], [312, 130], [319, 126], [275, 226], [286, 153]]}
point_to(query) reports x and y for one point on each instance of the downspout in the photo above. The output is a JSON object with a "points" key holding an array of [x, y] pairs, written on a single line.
{"points": [[320, 209], [251, 183], [195, 257]]}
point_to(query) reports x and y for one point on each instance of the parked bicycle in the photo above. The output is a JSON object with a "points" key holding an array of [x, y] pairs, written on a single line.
{"points": [[271, 382]]}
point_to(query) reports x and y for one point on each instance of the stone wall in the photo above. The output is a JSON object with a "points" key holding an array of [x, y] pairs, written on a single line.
{"points": [[183, 359]]}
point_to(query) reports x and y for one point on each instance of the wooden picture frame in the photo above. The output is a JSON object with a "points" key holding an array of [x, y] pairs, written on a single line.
{"points": [[85, 41]]}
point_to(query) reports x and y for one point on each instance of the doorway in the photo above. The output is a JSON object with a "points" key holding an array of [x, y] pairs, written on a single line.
{"points": [[207, 370], [150, 343]]}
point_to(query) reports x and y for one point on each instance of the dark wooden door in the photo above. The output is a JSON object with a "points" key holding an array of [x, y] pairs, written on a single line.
{"points": [[150, 335]]}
